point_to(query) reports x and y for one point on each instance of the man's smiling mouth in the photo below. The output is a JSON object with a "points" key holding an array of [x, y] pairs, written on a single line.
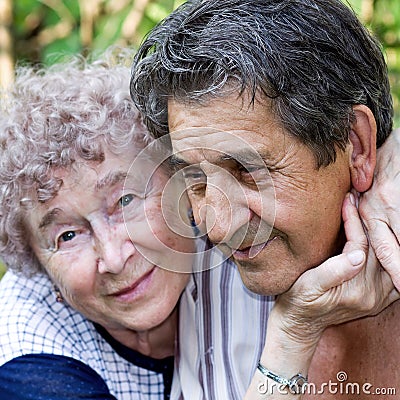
{"points": [[250, 252]]}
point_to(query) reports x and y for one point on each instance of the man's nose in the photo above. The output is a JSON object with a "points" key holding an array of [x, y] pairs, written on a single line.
{"points": [[225, 209], [113, 246]]}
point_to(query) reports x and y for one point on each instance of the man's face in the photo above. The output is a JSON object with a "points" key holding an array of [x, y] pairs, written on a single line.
{"points": [[104, 242], [277, 217]]}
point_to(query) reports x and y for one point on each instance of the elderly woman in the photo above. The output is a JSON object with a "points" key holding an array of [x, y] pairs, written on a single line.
{"points": [[66, 195]]}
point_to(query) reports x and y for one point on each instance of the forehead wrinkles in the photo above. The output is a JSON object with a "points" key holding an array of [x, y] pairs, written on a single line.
{"points": [[211, 138], [222, 147]]}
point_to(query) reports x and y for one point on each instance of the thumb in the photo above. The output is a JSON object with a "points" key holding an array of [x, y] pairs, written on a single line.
{"points": [[336, 270]]}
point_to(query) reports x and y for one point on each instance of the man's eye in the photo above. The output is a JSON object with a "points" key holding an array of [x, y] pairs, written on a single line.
{"points": [[126, 199], [249, 169], [194, 174], [195, 180], [67, 236]]}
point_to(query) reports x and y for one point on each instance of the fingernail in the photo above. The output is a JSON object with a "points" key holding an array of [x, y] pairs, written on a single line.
{"points": [[356, 257], [352, 199]]}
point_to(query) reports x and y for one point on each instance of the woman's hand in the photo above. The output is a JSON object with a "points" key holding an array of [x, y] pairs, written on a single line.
{"points": [[380, 207], [343, 288]]}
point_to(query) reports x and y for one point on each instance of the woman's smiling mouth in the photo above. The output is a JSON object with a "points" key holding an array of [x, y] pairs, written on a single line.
{"points": [[134, 290]]}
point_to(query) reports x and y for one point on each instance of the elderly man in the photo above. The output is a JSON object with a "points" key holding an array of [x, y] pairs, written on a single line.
{"points": [[275, 110]]}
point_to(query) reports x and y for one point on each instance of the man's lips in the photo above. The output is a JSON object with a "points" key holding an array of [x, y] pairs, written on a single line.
{"points": [[135, 287], [251, 251]]}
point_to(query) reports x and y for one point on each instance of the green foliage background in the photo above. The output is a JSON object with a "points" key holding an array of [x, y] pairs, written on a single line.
{"points": [[382, 17], [41, 30]]}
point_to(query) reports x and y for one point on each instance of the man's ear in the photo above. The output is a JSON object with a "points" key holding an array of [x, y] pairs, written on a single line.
{"points": [[363, 155]]}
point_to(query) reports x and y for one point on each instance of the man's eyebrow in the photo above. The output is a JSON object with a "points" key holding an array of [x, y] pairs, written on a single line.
{"points": [[246, 157], [111, 179], [49, 218], [242, 156], [176, 162]]}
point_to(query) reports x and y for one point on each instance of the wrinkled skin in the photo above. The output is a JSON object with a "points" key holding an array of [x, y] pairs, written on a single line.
{"points": [[380, 207], [103, 241]]}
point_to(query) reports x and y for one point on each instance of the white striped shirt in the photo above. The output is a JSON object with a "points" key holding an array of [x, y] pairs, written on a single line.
{"points": [[221, 334]]}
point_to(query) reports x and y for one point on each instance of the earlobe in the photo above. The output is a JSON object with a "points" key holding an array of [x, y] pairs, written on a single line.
{"points": [[363, 155]]}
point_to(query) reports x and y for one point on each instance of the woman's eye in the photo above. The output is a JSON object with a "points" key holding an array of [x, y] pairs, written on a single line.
{"points": [[72, 238], [126, 199], [67, 236]]}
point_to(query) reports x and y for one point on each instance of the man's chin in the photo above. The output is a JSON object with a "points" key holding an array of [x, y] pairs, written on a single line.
{"points": [[262, 283]]}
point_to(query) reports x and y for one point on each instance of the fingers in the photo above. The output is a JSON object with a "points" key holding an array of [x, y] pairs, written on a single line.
{"points": [[380, 205], [355, 234], [381, 222], [357, 239], [386, 248], [334, 271]]}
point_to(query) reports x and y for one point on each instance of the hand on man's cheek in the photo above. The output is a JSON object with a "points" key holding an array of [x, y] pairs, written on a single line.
{"points": [[380, 207]]}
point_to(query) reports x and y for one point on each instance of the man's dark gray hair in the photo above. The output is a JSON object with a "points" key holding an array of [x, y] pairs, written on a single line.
{"points": [[313, 58]]}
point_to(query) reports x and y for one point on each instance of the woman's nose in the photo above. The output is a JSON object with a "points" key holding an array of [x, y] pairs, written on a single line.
{"points": [[114, 247]]}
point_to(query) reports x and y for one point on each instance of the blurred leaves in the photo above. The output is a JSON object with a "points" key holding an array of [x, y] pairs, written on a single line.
{"points": [[382, 17], [42, 28], [385, 23]]}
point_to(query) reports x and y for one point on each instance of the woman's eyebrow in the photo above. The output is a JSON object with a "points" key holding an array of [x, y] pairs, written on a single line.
{"points": [[49, 218], [111, 179]]}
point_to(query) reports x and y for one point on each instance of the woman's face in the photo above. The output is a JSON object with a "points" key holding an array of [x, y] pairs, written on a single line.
{"points": [[104, 242]]}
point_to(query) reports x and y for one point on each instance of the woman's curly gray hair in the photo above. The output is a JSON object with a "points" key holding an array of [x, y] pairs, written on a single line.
{"points": [[50, 118]]}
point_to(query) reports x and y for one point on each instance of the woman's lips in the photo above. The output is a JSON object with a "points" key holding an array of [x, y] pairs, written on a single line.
{"points": [[134, 290]]}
